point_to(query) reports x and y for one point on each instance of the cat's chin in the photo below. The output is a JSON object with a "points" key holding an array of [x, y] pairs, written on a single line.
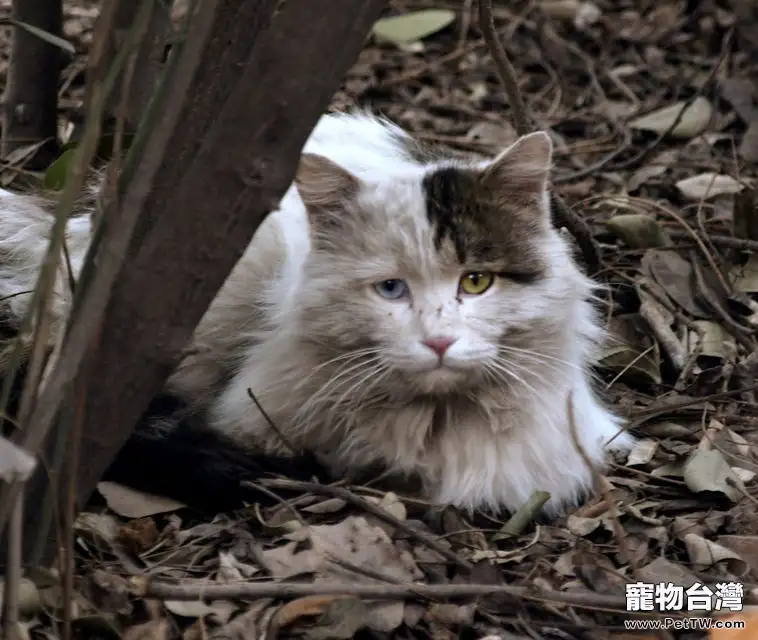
{"points": [[440, 379]]}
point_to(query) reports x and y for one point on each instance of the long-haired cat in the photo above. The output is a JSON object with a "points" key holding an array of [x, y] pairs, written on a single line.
{"points": [[414, 311]]}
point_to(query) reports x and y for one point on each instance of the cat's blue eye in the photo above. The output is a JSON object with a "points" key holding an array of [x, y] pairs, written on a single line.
{"points": [[391, 289]]}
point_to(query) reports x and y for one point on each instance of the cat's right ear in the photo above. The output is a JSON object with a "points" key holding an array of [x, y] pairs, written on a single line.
{"points": [[323, 185]]}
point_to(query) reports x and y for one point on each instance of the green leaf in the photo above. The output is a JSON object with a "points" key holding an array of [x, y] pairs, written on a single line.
{"points": [[638, 231], [57, 172], [412, 27], [62, 43]]}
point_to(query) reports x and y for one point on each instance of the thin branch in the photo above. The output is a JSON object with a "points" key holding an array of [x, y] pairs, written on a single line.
{"points": [[601, 485], [13, 571], [146, 588], [563, 216], [505, 69]]}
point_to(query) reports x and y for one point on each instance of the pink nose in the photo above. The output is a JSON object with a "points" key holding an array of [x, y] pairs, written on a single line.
{"points": [[439, 344]]}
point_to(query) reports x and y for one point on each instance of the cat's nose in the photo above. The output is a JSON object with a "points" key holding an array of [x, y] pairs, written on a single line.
{"points": [[439, 344]]}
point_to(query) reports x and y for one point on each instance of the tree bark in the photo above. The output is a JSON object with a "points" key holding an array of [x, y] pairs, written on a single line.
{"points": [[30, 112], [209, 174]]}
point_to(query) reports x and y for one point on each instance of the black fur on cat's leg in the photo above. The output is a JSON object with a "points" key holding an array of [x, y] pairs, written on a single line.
{"points": [[171, 454]]}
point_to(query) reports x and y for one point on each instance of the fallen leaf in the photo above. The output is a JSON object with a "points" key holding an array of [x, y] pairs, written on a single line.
{"points": [[643, 174], [580, 14], [638, 231], [716, 341], [692, 123], [746, 547], [354, 542], [706, 553], [291, 612], [455, 615], [745, 277], [642, 453], [663, 570], [708, 185], [674, 275], [131, 503], [580, 526], [412, 27], [707, 471], [331, 505], [151, 630], [219, 610], [629, 362]]}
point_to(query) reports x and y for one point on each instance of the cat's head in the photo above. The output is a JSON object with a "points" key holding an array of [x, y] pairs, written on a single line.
{"points": [[443, 278]]}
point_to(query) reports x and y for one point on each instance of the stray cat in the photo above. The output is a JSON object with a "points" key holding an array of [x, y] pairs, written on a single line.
{"points": [[400, 308]]}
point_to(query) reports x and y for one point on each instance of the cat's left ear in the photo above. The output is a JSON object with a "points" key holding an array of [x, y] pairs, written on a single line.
{"points": [[323, 184], [524, 167]]}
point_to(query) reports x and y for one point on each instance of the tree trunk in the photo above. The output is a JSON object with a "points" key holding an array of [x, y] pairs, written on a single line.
{"points": [[210, 172], [30, 112]]}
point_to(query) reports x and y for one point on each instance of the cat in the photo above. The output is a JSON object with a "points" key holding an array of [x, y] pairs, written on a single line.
{"points": [[403, 308]]}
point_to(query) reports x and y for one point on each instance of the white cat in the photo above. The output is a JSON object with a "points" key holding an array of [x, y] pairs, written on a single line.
{"points": [[399, 308]]}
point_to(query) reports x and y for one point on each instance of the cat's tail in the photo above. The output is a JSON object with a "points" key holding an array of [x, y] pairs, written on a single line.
{"points": [[26, 225], [172, 454]]}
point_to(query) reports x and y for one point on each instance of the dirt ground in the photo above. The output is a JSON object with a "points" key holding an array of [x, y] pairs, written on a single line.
{"points": [[672, 205]]}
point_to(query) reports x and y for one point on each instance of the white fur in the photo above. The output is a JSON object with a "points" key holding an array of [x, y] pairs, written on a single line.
{"points": [[502, 436]]}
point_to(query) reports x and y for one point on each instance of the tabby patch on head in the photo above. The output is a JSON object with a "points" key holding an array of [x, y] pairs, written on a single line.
{"points": [[493, 216]]}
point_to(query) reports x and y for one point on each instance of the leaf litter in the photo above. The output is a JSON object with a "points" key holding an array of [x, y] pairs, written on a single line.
{"points": [[655, 129]]}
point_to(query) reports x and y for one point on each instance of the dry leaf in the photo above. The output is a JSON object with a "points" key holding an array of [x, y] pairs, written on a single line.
{"points": [[581, 14], [708, 185], [708, 471], [745, 277], [692, 123], [642, 453], [706, 553], [151, 630], [331, 505], [746, 547], [131, 503], [291, 612], [674, 275], [716, 342], [582, 526], [662, 570]]}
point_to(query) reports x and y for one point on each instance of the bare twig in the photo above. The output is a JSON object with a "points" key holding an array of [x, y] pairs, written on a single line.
{"points": [[272, 424], [725, 242], [146, 588], [655, 317], [563, 216], [13, 571], [601, 485], [505, 69]]}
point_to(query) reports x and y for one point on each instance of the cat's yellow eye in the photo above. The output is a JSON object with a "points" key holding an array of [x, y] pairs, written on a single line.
{"points": [[476, 283]]}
